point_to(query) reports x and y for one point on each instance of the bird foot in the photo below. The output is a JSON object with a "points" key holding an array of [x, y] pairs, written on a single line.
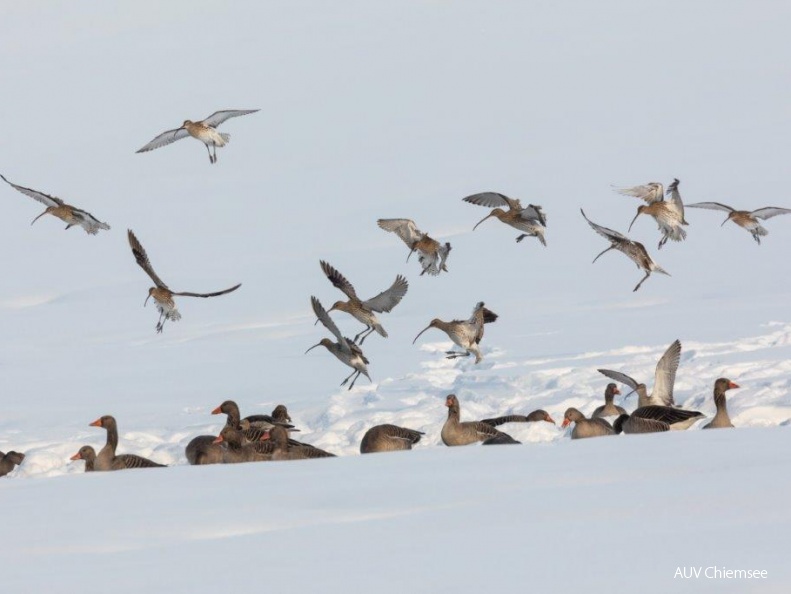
{"points": [[520, 238]]}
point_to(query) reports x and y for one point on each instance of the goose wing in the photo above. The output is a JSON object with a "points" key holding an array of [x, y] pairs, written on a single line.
{"points": [[35, 194], [388, 299], [218, 117], [142, 259]]}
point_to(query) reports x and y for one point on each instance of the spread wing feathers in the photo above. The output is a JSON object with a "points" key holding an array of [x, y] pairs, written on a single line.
{"points": [[388, 299], [325, 318], [666, 374], [36, 195], [619, 377], [675, 199], [164, 139], [218, 117], [711, 206], [534, 212], [337, 279], [493, 200], [650, 192], [608, 234], [143, 261], [87, 220], [666, 414], [767, 212], [215, 294], [404, 228]]}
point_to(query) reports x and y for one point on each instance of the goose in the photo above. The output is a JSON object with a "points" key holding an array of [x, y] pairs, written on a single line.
{"points": [[664, 379], [456, 433], [631, 424], [721, 420], [106, 458], [533, 417], [9, 461], [585, 427], [389, 438], [609, 409]]}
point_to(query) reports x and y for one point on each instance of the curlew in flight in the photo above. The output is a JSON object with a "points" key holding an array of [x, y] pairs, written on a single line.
{"points": [[668, 214], [465, 333], [431, 253], [746, 218], [531, 221]]}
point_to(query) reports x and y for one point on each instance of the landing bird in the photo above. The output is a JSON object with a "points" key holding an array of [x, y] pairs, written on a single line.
{"points": [[634, 250], [531, 220], [668, 214], [345, 350], [431, 253], [664, 379], [744, 218], [650, 192], [204, 130], [163, 296], [71, 215], [465, 333], [364, 310]]}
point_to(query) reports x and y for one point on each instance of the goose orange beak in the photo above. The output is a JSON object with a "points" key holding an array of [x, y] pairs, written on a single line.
{"points": [[732, 385], [96, 423], [76, 457], [216, 411], [565, 423]]}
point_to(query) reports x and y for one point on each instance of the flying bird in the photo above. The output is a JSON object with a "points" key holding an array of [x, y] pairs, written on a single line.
{"points": [[531, 221], [162, 295], [465, 333], [204, 130], [363, 311], [634, 250], [668, 214], [344, 349], [650, 192], [71, 215], [744, 218], [431, 253]]}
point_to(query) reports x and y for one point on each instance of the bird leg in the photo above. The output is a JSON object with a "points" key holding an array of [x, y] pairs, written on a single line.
{"points": [[662, 242], [456, 354], [354, 380], [604, 252], [642, 280], [370, 331], [67, 227], [757, 238], [214, 146], [343, 383], [360, 334], [521, 237], [209, 151]]}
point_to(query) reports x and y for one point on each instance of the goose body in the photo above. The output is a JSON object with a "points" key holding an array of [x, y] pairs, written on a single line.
{"points": [[584, 428], [389, 438], [458, 433]]}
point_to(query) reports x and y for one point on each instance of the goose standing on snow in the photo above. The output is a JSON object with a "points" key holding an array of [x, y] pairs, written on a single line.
{"points": [[609, 409], [721, 420], [107, 458], [389, 438], [585, 427], [745, 218], [456, 433], [9, 461], [531, 220], [465, 333]]}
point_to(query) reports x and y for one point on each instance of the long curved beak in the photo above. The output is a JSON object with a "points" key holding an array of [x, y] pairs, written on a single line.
{"points": [[600, 255], [481, 221], [421, 332], [723, 222], [146, 301], [412, 251], [629, 394], [311, 348], [632, 223], [38, 217]]}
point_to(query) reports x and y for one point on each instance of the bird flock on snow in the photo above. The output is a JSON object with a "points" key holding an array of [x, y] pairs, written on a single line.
{"points": [[270, 437]]}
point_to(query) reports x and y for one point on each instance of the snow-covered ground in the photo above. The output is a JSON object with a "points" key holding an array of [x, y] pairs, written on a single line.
{"points": [[399, 109]]}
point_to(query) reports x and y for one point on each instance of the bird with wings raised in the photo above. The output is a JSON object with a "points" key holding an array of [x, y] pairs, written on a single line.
{"points": [[431, 253], [162, 295], [203, 130], [531, 220], [634, 250], [747, 219], [344, 349], [71, 215], [465, 333], [364, 311], [668, 214]]}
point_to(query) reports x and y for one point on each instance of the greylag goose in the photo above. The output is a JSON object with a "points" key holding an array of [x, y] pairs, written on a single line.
{"points": [[533, 417], [676, 418], [202, 450], [279, 416], [664, 379], [122, 462], [389, 438], [9, 461], [632, 424], [239, 450], [88, 454], [456, 433], [721, 420], [585, 427], [106, 459], [610, 409], [284, 451]]}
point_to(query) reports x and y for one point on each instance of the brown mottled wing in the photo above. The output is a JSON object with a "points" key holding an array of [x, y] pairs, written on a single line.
{"points": [[767, 212], [325, 318], [35, 194], [388, 299], [493, 200], [619, 377], [215, 294], [404, 228], [650, 192], [133, 461], [164, 139], [665, 376], [397, 432], [666, 414], [142, 259], [338, 280], [218, 117]]}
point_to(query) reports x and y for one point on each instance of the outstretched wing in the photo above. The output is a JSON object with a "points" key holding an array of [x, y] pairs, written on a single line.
{"points": [[218, 117], [534, 213], [665, 376], [604, 231], [650, 192], [767, 212], [619, 377], [493, 200], [35, 194], [142, 259], [164, 139], [337, 279], [325, 318], [404, 228], [388, 299], [675, 199], [711, 206], [215, 294]]}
